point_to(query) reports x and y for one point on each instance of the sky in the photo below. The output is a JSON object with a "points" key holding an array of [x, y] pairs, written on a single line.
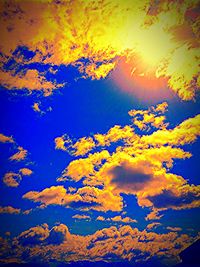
{"points": [[99, 132]]}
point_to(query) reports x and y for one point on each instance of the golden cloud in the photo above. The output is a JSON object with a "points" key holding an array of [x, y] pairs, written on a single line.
{"points": [[9, 210], [6, 139], [140, 164], [84, 198], [153, 225], [42, 243], [25, 171], [81, 217], [13, 179], [117, 218], [20, 155]]}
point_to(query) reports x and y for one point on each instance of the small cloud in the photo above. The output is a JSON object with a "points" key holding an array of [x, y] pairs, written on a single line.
{"points": [[9, 210], [12, 179], [153, 225], [81, 217], [117, 219], [6, 139], [123, 220], [36, 107], [25, 171], [153, 215], [100, 218], [174, 229], [20, 155]]}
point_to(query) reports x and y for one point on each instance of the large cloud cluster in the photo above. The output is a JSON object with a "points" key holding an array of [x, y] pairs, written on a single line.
{"points": [[40, 243], [139, 165]]}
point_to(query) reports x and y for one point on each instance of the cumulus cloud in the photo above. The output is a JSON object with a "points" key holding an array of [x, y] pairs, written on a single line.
{"points": [[153, 215], [84, 198], [139, 162], [124, 243], [13, 179], [6, 139], [31, 81], [175, 229], [36, 107], [9, 210], [81, 217], [20, 155], [153, 225], [25, 171], [166, 41], [117, 218]]}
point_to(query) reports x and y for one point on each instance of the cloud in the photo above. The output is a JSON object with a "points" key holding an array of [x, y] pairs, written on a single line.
{"points": [[175, 229], [20, 155], [34, 235], [108, 244], [153, 225], [6, 139], [60, 142], [84, 198], [59, 234], [153, 117], [36, 107], [164, 41], [177, 199], [117, 219], [31, 80], [100, 218], [9, 210], [128, 178], [25, 171], [85, 167], [154, 215], [13, 179], [81, 217], [138, 162]]}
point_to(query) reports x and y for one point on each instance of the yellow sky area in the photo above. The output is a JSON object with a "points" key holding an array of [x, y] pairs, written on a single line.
{"points": [[101, 31]]}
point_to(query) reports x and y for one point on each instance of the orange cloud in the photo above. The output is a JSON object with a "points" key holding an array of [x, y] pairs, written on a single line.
{"points": [[140, 164], [117, 219], [153, 215], [145, 119], [20, 155], [31, 81], [9, 210], [25, 171], [153, 225], [100, 218], [123, 220], [85, 167], [174, 229], [62, 142], [13, 179], [81, 217], [84, 198], [6, 139], [36, 107], [107, 244]]}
